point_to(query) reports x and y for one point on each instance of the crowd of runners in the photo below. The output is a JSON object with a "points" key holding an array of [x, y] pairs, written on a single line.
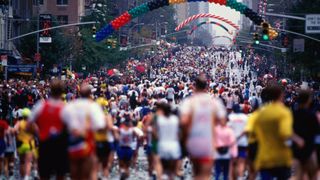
{"points": [[193, 107]]}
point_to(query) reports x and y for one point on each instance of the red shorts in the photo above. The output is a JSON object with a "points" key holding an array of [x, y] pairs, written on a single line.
{"points": [[203, 160]]}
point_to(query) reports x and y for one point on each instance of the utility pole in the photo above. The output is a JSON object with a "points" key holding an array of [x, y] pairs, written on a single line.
{"points": [[5, 10], [38, 27]]}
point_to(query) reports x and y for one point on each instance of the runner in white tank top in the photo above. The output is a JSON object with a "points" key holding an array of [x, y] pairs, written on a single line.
{"points": [[198, 116], [167, 132]]}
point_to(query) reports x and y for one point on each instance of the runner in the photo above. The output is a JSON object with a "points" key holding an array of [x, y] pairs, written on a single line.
{"points": [[237, 122], [273, 129], [198, 116], [48, 125], [83, 117], [25, 144], [307, 128], [137, 141], [10, 152], [166, 129], [125, 151], [103, 148], [226, 149], [151, 146]]}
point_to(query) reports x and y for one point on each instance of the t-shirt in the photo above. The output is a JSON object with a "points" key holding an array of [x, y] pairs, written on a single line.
{"points": [[82, 117], [225, 137], [229, 102], [306, 126], [249, 127], [273, 127], [80, 114], [170, 93], [237, 122]]}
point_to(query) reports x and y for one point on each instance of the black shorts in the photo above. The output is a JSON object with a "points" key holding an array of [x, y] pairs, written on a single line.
{"points": [[103, 149], [9, 154], [53, 157], [280, 173], [252, 151]]}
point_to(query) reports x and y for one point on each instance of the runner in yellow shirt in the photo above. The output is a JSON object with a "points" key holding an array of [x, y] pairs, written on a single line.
{"points": [[273, 129], [25, 144], [252, 140]]}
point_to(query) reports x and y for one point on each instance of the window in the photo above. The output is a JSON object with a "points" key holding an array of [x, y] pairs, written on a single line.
{"points": [[62, 2], [62, 19], [41, 2]]}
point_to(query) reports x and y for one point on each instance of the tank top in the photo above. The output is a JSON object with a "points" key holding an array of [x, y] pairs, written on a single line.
{"points": [[23, 136], [49, 121], [168, 128], [126, 137], [200, 140], [168, 145]]}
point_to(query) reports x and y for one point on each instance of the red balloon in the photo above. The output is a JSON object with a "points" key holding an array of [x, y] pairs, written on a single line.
{"points": [[115, 24]]}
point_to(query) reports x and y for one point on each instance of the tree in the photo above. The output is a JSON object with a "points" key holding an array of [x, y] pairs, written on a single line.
{"points": [[52, 53], [92, 54]]}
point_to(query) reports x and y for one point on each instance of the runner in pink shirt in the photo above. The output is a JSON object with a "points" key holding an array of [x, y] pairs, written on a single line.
{"points": [[226, 146]]}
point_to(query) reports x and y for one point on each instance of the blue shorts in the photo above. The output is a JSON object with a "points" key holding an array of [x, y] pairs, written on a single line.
{"points": [[112, 146], [2, 147], [242, 152], [148, 150], [125, 153]]}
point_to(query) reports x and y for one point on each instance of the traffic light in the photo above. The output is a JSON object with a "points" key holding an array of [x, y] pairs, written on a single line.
{"points": [[273, 34], [45, 23], [265, 31], [114, 44], [94, 31], [109, 43], [285, 41], [256, 38]]}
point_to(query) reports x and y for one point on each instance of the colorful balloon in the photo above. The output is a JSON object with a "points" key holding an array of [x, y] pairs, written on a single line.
{"points": [[210, 22], [104, 32], [207, 15], [155, 4]]}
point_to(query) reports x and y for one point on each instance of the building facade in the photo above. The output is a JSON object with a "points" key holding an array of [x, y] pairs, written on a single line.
{"points": [[182, 12], [64, 11]]}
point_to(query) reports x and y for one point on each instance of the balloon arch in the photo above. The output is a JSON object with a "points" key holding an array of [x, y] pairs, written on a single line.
{"points": [[198, 16], [226, 37], [127, 16], [209, 22]]}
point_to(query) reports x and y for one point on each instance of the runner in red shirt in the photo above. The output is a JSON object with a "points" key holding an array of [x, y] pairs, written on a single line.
{"points": [[46, 116]]}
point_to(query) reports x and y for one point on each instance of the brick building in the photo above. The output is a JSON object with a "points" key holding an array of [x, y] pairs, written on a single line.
{"points": [[65, 11]]}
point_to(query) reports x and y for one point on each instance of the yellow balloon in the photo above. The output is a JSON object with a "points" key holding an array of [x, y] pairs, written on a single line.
{"points": [[176, 1]]}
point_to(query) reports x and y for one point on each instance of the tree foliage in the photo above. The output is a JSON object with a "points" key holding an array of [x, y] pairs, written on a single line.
{"points": [[51, 53], [93, 55]]}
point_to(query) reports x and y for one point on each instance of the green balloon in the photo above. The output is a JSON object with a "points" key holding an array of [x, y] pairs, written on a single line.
{"points": [[139, 10]]}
